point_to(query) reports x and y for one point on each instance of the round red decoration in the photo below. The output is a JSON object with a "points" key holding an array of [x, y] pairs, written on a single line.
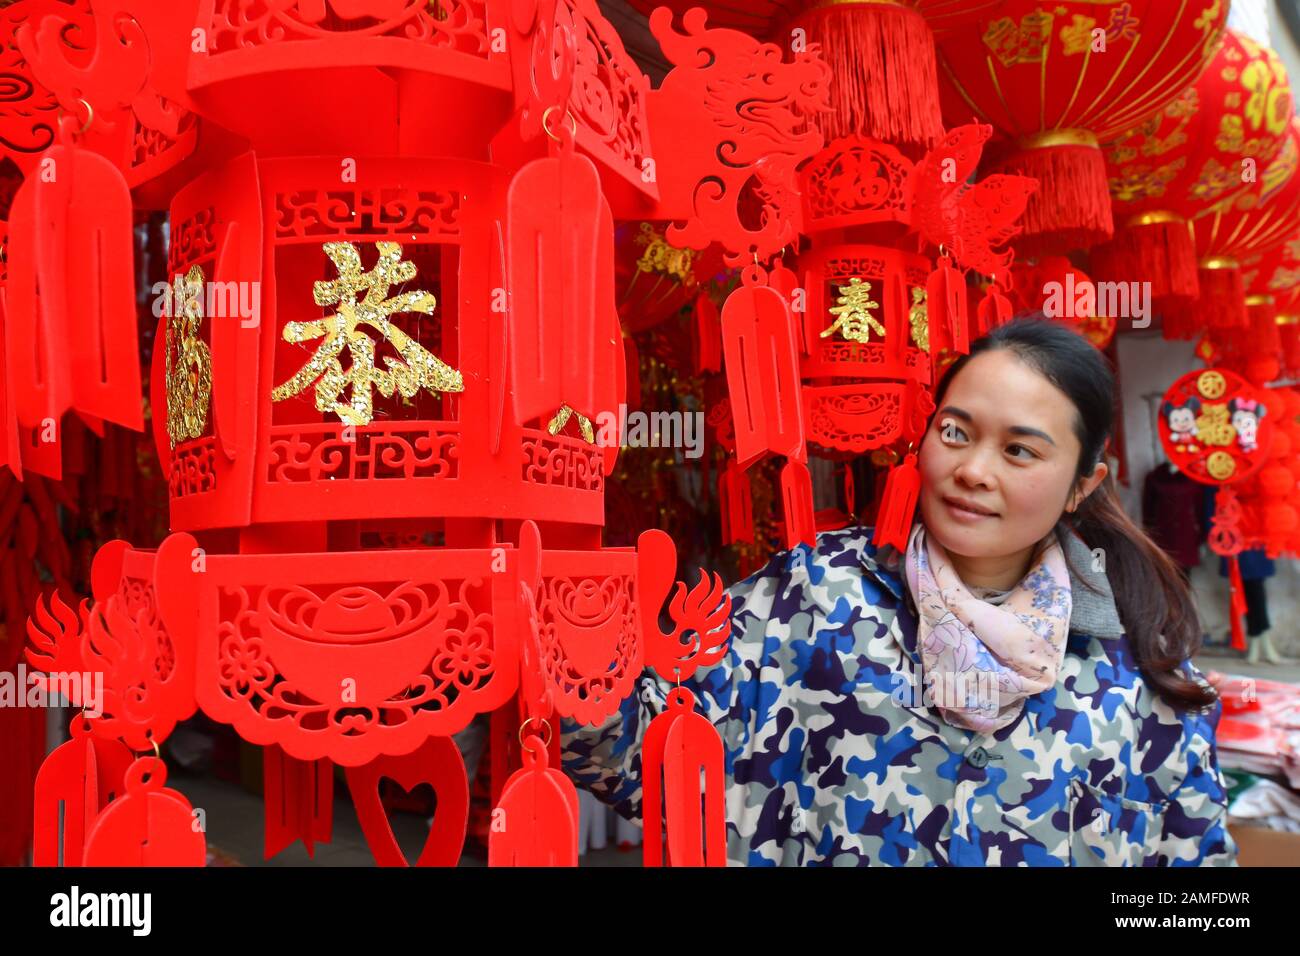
{"points": [[1215, 426]]}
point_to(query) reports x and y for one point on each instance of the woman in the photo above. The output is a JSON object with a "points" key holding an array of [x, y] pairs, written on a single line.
{"points": [[1015, 689]]}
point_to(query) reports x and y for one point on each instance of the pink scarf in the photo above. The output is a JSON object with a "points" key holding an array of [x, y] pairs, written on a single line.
{"points": [[981, 660]]}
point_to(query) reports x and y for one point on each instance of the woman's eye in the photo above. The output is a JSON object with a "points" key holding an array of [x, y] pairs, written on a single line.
{"points": [[950, 432], [1013, 451]]}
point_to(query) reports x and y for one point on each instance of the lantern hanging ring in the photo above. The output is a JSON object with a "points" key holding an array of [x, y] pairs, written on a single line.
{"points": [[546, 741], [90, 115], [546, 128]]}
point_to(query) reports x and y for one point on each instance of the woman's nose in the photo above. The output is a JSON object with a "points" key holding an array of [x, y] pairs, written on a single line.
{"points": [[973, 470]]}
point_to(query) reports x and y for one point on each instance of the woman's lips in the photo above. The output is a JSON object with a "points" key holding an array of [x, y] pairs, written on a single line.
{"points": [[962, 514]]}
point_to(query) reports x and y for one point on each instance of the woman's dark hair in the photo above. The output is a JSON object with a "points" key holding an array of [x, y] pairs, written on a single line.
{"points": [[1151, 594]]}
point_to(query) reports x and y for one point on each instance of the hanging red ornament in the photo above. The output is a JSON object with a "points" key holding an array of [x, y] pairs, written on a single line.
{"points": [[678, 746], [762, 378], [535, 822], [75, 783], [148, 825], [898, 504]]}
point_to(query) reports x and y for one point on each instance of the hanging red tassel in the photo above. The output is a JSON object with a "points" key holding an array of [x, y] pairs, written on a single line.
{"points": [[1071, 207], [1154, 247], [1236, 602], [678, 745], [898, 504], [1222, 302], [886, 83]]}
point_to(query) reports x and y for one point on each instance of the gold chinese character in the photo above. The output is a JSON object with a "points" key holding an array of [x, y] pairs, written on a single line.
{"points": [[418, 368], [918, 319], [188, 363], [1077, 37], [853, 320]]}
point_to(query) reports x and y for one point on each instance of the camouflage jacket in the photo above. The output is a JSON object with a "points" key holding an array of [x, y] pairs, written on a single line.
{"points": [[833, 757]]}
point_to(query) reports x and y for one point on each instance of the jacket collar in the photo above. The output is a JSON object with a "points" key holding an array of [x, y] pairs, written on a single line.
{"points": [[1092, 601]]}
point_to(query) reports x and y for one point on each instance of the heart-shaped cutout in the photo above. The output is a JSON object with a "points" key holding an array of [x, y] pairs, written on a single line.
{"points": [[438, 764]]}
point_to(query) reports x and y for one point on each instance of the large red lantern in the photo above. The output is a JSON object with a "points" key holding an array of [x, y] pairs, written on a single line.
{"points": [[1059, 80], [380, 357], [1207, 147]]}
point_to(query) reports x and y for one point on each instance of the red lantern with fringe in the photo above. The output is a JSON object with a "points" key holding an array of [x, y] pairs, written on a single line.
{"points": [[1192, 156], [1059, 80]]}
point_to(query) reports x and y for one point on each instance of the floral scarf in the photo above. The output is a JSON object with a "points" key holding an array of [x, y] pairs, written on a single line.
{"points": [[982, 660]]}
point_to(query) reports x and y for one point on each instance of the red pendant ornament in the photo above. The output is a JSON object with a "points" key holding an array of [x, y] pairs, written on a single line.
{"points": [[76, 782], [148, 825], [762, 377], [1216, 429], [70, 238], [535, 823], [678, 746]]}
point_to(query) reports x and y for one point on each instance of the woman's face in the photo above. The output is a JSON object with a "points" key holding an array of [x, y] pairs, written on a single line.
{"points": [[999, 462]]}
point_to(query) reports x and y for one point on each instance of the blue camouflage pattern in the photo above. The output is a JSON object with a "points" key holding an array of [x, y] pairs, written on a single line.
{"points": [[834, 757]]}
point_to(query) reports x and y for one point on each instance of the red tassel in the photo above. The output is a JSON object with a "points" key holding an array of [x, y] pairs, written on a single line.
{"points": [[898, 505], [1236, 602], [1162, 253], [886, 84], [678, 745], [1222, 302], [1071, 207]]}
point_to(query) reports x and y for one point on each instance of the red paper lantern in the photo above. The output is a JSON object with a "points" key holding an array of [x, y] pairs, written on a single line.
{"points": [[1175, 166], [1040, 76]]}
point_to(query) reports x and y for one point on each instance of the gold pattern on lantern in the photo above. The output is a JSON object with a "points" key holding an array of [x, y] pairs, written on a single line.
{"points": [[1220, 465], [920, 323], [663, 257], [562, 418], [417, 369], [188, 369], [1214, 427], [1211, 384], [852, 318]]}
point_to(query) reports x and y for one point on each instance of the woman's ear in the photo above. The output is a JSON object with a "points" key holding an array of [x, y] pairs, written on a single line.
{"points": [[1087, 486]]}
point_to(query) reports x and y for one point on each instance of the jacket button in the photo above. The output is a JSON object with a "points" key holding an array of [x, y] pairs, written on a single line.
{"points": [[978, 758]]}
